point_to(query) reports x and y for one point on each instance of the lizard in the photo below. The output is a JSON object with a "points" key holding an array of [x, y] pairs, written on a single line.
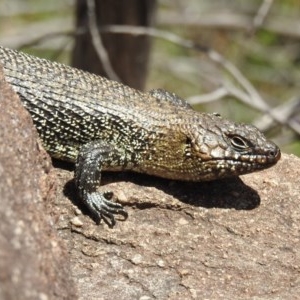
{"points": [[99, 125]]}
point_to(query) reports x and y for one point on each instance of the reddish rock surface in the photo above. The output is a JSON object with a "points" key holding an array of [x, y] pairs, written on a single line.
{"points": [[34, 263]]}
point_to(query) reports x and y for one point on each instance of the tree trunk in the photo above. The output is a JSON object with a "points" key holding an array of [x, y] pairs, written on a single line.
{"points": [[128, 54]]}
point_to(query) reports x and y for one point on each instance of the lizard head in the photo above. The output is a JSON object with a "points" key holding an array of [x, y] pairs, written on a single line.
{"points": [[220, 148]]}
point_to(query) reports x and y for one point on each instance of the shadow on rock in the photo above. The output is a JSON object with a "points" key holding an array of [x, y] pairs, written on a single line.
{"points": [[225, 193]]}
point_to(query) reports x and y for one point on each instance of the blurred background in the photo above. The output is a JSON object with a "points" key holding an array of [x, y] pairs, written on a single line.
{"points": [[238, 58]]}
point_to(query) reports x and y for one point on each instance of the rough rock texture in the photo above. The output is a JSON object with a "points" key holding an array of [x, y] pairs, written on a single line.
{"points": [[229, 239], [34, 263]]}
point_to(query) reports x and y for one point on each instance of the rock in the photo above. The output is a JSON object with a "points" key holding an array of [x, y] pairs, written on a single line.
{"points": [[229, 239], [34, 263]]}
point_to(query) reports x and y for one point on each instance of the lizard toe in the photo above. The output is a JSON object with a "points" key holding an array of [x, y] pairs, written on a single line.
{"points": [[102, 207]]}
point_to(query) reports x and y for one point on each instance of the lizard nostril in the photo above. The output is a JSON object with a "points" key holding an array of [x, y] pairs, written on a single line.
{"points": [[275, 153]]}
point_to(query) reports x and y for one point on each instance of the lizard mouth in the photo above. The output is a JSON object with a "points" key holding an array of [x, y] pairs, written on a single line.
{"points": [[254, 162], [261, 159], [268, 158], [243, 164]]}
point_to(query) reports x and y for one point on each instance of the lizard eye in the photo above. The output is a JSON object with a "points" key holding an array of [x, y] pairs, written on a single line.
{"points": [[239, 143]]}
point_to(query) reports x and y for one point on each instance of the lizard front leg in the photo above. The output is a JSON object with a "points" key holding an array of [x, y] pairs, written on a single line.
{"points": [[92, 157]]}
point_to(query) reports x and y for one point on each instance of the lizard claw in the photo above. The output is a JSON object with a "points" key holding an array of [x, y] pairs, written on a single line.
{"points": [[101, 206]]}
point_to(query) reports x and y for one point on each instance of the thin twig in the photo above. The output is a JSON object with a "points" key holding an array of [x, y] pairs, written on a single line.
{"points": [[255, 99], [45, 37], [216, 57], [215, 95], [284, 112], [97, 41], [261, 15]]}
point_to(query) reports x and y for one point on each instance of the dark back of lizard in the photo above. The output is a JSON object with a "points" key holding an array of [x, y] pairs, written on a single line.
{"points": [[104, 125]]}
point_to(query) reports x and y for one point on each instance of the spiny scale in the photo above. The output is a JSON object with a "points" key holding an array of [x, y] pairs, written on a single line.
{"points": [[104, 125]]}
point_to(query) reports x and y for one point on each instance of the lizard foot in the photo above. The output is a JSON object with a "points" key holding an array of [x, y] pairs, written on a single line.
{"points": [[101, 206]]}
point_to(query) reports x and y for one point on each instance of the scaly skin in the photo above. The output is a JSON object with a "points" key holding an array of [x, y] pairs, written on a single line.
{"points": [[103, 125]]}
